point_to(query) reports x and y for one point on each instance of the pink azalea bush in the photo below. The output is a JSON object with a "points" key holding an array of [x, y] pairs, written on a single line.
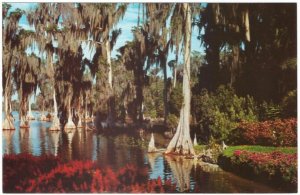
{"points": [[280, 132], [46, 174], [274, 164]]}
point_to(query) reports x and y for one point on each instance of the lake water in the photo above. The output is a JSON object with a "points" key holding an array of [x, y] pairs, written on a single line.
{"points": [[120, 149]]}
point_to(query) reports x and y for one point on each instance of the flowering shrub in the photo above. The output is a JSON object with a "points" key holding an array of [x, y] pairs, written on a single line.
{"points": [[47, 174], [271, 133], [18, 169], [218, 114], [70, 177], [80, 176], [274, 165]]}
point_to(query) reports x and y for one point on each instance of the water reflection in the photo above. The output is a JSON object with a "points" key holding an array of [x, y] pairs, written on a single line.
{"points": [[181, 170], [118, 150], [54, 137], [35, 139], [7, 135], [70, 134], [24, 141], [157, 166]]}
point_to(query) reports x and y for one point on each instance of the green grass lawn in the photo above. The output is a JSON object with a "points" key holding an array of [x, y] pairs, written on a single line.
{"points": [[288, 150], [199, 148]]}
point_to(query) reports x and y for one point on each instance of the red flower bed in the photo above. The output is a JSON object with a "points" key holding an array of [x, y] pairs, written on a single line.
{"points": [[270, 133], [18, 169], [75, 176], [275, 164]]}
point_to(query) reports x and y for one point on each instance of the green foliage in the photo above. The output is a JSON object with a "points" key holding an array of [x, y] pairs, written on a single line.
{"points": [[266, 73], [256, 148], [34, 106], [172, 121], [200, 148], [6, 6], [203, 110], [26, 33], [176, 100], [286, 109], [289, 105], [154, 98], [222, 125], [290, 63], [269, 111], [218, 114], [15, 105], [52, 28], [17, 13]]}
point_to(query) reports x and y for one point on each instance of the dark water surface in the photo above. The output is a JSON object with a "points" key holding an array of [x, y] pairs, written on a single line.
{"points": [[118, 150]]}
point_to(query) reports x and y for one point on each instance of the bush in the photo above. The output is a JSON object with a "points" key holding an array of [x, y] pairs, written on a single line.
{"points": [[81, 177], [172, 121], [26, 173], [203, 110], [289, 105], [268, 133], [269, 111], [275, 165], [220, 113], [18, 169], [153, 100], [176, 100]]}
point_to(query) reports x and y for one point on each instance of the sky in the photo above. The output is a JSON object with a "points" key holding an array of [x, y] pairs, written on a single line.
{"points": [[126, 25]]}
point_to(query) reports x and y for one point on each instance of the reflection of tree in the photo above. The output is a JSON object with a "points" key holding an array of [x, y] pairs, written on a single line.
{"points": [[181, 169], [8, 134], [80, 143], [152, 158], [54, 136], [35, 141], [70, 134], [91, 145], [24, 137]]}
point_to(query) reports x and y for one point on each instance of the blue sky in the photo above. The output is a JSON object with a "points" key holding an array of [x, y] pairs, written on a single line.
{"points": [[128, 22]]}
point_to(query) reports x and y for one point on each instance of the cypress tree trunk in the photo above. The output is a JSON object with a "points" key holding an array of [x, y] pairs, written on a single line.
{"points": [[85, 110], [140, 93], [110, 117], [70, 124], [235, 64], [79, 113], [213, 58], [29, 114], [55, 121], [247, 25], [43, 117], [23, 109], [175, 77], [213, 49], [8, 122], [181, 143], [151, 146], [166, 111], [43, 109]]}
